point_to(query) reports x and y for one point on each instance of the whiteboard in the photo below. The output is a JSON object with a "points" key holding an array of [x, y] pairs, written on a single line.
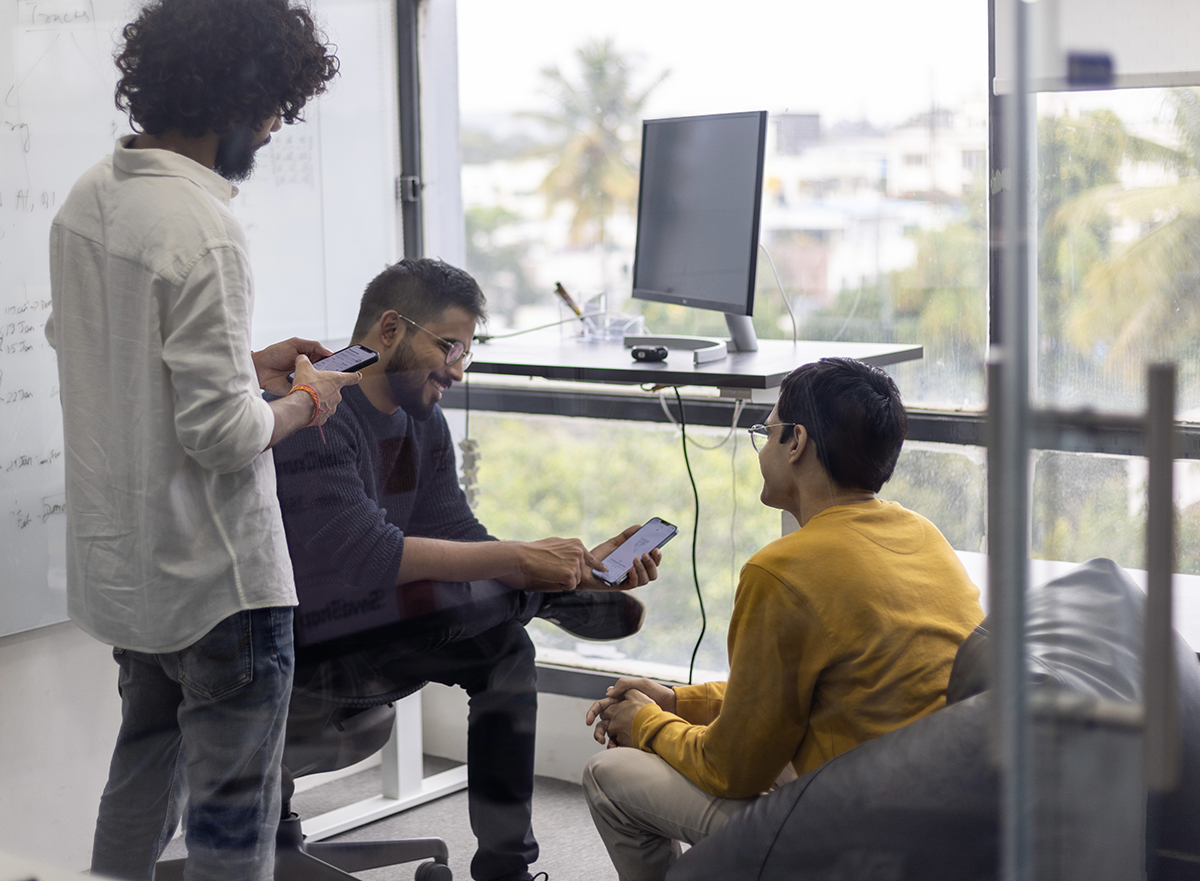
{"points": [[320, 217]]}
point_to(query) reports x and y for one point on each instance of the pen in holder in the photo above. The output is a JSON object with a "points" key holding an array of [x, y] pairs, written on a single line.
{"points": [[595, 317]]}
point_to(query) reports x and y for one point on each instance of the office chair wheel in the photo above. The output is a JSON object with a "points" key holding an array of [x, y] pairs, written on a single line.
{"points": [[433, 872]]}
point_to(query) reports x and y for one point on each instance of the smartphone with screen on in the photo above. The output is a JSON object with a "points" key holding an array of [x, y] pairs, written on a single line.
{"points": [[345, 360], [656, 533]]}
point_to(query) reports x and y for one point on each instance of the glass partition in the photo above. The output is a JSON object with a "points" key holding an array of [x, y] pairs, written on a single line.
{"points": [[1119, 245]]}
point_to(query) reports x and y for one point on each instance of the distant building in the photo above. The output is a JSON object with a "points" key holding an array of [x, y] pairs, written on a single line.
{"points": [[840, 204], [938, 155], [795, 132]]}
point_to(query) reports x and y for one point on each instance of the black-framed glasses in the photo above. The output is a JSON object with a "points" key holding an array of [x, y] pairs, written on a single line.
{"points": [[759, 433], [455, 351]]}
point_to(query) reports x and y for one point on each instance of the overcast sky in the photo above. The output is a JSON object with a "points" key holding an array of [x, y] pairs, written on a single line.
{"points": [[846, 59]]}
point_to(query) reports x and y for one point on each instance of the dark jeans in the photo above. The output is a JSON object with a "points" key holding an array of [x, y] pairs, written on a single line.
{"points": [[202, 725], [479, 643]]}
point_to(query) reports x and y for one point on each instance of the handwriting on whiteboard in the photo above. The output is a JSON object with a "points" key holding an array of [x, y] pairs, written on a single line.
{"points": [[291, 159], [32, 460], [21, 338], [51, 506], [17, 337], [57, 14], [28, 200]]}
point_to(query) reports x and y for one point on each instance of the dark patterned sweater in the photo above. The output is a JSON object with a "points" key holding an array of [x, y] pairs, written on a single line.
{"points": [[348, 503]]}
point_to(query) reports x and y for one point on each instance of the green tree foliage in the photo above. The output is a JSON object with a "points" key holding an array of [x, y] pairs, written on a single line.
{"points": [[589, 478], [595, 126], [1076, 155], [946, 484], [940, 302], [1081, 510], [1118, 302], [499, 267], [1188, 544]]}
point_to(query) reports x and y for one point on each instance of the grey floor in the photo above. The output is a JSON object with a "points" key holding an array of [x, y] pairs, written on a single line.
{"points": [[570, 848]]}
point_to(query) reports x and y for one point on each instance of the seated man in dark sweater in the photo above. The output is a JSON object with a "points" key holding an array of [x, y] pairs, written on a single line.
{"points": [[394, 570]]}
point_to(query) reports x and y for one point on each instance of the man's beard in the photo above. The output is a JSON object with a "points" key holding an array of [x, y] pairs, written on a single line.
{"points": [[236, 153], [408, 391]]}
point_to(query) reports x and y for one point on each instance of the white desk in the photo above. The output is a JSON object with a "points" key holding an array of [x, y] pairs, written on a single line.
{"points": [[753, 375]]}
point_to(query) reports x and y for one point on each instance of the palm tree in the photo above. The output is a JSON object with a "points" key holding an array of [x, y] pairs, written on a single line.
{"points": [[1142, 296], [595, 122]]}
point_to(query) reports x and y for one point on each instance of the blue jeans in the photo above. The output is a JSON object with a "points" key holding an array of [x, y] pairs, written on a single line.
{"points": [[203, 725], [476, 639]]}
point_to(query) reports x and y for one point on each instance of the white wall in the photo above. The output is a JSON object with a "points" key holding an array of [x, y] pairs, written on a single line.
{"points": [[59, 714], [564, 743]]}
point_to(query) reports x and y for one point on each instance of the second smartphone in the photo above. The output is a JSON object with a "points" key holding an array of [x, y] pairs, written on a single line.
{"points": [[656, 533], [345, 360]]}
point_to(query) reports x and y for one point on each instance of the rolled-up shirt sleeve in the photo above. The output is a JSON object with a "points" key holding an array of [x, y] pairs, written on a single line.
{"points": [[221, 419]]}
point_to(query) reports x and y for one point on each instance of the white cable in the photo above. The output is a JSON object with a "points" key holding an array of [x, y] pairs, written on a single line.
{"points": [[738, 406], [733, 522], [486, 337], [837, 336], [782, 293]]}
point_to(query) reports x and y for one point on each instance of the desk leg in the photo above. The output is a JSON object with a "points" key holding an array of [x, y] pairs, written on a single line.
{"points": [[403, 785]]}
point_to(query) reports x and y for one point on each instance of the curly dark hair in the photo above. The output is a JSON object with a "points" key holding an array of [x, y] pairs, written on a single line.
{"points": [[209, 65]]}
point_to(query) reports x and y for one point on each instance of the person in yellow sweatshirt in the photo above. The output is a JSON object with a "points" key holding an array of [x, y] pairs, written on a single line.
{"points": [[842, 631]]}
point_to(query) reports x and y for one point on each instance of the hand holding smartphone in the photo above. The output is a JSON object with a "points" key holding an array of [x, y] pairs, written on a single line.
{"points": [[346, 360], [656, 533]]}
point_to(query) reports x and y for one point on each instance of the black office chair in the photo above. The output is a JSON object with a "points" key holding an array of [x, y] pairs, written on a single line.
{"points": [[340, 713]]}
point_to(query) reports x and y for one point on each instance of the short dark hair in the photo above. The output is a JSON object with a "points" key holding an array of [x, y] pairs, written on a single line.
{"points": [[854, 418], [209, 65], [420, 289]]}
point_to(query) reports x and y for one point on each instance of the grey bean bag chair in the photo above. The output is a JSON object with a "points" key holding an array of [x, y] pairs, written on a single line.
{"points": [[922, 803]]}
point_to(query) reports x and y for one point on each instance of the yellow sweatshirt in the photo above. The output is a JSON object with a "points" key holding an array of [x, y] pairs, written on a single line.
{"points": [[841, 631]]}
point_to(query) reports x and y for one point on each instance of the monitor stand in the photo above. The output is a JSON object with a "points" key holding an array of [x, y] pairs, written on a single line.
{"points": [[742, 338]]}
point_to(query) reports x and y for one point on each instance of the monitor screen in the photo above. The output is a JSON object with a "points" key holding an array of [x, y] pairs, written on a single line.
{"points": [[698, 210]]}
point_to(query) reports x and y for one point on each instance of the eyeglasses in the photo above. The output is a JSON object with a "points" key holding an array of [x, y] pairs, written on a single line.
{"points": [[760, 433], [455, 351]]}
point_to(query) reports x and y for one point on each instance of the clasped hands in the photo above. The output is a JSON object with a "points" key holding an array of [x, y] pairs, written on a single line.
{"points": [[613, 714]]}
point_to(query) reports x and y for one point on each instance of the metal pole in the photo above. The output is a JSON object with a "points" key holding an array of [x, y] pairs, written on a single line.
{"points": [[1162, 740], [1008, 476], [408, 188]]}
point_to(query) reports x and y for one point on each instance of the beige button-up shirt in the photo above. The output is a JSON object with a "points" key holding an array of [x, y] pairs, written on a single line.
{"points": [[172, 519]]}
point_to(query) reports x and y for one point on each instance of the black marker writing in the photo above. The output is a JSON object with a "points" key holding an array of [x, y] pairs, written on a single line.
{"points": [[50, 508], [23, 128]]}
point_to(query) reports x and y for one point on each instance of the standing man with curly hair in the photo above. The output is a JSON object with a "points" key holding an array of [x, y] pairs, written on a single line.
{"points": [[176, 553]]}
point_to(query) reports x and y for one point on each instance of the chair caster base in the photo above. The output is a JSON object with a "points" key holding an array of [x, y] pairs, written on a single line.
{"points": [[433, 872]]}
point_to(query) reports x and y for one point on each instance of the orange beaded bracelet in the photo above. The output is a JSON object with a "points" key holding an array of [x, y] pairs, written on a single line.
{"points": [[317, 411]]}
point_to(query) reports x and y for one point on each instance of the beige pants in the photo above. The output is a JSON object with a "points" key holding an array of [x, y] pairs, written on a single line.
{"points": [[643, 808]]}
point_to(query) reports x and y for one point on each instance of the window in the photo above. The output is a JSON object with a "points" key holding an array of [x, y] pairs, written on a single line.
{"points": [[1118, 262], [867, 248]]}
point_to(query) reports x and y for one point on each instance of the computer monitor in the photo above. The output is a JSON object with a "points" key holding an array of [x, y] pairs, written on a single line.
{"points": [[698, 213]]}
